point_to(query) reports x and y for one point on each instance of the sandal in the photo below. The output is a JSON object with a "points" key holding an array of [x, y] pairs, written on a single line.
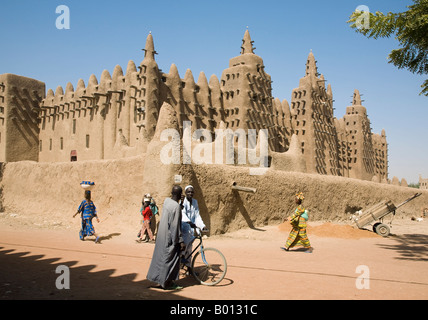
{"points": [[174, 287]]}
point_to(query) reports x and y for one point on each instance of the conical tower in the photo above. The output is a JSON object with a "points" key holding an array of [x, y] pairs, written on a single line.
{"points": [[247, 92], [313, 121], [361, 162], [147, 93]]}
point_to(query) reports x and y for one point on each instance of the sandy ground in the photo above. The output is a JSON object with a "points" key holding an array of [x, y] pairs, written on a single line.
{"points": [[394, 267]]}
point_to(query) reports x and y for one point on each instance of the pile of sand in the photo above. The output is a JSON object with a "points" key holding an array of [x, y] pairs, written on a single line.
{"points": [[331, 230]]}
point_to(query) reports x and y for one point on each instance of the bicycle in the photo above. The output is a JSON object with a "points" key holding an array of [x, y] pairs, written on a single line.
{"points": [[208, 265]]}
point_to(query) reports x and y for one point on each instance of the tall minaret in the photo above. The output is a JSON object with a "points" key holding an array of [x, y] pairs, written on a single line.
{"points": [[247, 92], [313, 121], [361, 153], [147, 98]]}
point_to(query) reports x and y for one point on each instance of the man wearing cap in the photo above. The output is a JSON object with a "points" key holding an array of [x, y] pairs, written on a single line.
{"points": [[190, 218]]}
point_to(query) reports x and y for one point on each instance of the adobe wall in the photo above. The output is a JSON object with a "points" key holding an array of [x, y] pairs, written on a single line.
{"points": [[52, 192], [45, 192], [19, 132], [327, 197]]}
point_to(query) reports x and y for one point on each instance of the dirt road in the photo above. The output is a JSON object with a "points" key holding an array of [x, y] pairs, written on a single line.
{"points": [[392, 268]]}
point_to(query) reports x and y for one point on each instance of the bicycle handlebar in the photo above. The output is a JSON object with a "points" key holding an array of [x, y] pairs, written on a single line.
{"points": [[194, 226]]}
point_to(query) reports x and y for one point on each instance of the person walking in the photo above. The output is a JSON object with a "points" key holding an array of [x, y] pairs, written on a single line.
{"points": [[88, 211], [298, 235], [147, 214], [165, 265]]}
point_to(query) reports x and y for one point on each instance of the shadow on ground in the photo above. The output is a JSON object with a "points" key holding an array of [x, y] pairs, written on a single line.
{"points": [[409, 246], [28, 277]]}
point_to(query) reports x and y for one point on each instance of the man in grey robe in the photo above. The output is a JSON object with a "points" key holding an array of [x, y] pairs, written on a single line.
{"points": [[165, 266]]}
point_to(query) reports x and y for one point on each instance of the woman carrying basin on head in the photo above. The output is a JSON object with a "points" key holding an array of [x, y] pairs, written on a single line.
{"points": [[298, 235], [88, 212]]}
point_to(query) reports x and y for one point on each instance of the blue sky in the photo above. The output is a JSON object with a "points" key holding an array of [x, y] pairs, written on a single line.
{"points": [[204, 35]]}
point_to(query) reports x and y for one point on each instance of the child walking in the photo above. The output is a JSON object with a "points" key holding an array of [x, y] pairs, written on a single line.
{"points": [[147, 214]]}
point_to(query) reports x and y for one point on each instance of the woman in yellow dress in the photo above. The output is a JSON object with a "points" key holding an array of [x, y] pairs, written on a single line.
{"points": [[298, 235]]}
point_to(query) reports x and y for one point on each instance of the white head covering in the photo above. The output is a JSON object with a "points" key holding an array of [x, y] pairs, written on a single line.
{"points": [[189, 186]]}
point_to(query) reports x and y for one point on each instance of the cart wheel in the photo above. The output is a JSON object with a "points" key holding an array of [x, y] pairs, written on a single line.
{"points": [[382, 230], [375, 226]]}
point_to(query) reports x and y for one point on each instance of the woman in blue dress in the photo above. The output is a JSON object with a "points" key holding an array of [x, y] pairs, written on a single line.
{"points": [[88, 212]]}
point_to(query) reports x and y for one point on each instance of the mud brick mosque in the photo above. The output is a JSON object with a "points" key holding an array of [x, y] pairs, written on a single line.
{"points": [[116, 117]]}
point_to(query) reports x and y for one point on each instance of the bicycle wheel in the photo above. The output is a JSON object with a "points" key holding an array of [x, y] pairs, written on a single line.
{"points": [[209, 266]]}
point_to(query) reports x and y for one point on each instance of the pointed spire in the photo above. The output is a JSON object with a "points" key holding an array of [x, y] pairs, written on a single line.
{"points": [[131, 67], [149, 49], [311, 65], [173, 71], [286, 111], [167, 120], [216, 97], [214, 82], [285, 107], [247, 44], [117, 72], [80, 84], [189, 79], [356, 101], [294, 147], [329, 91], [92, 80], [50, 94], [202, 81], [69, 88], [59, 91], [105, 76], [279, 114], [105, 80]]}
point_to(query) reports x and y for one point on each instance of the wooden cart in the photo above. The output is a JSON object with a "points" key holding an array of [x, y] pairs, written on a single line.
{"points": [[375, 214]]}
